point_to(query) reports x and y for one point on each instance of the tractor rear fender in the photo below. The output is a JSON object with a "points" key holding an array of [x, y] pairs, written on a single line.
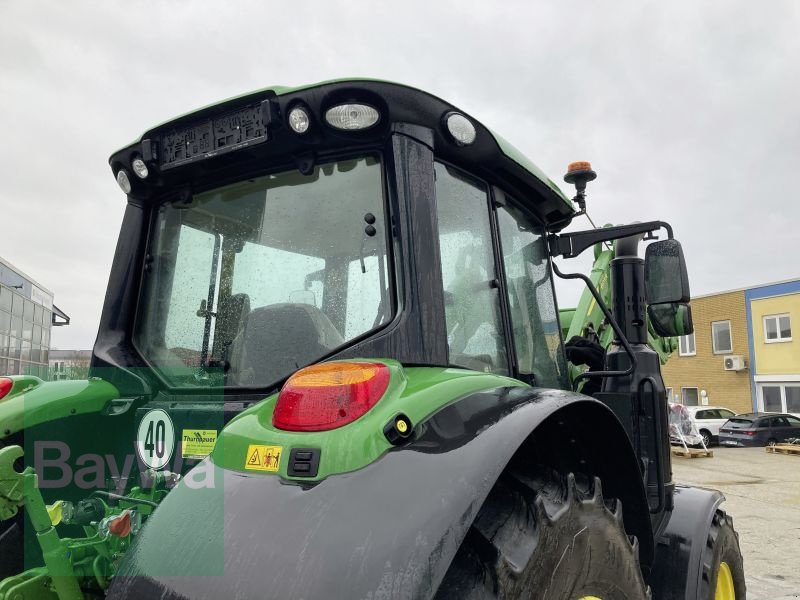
{"points": [[33, 402], [388, 530], [681, 542]]}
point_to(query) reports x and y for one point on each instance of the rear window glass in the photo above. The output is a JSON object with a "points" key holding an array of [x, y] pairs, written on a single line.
{"points": [[740, 422]]}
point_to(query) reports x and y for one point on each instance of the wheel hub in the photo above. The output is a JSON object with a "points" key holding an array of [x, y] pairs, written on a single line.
{"points": [[725, 589]]}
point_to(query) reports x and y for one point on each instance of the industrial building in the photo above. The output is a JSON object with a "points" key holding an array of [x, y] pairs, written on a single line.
{"points": [[27, 316], [69, 364], [742, 354]]}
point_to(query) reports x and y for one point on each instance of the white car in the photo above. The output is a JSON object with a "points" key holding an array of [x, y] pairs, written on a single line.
{"points": [[709, 419]]}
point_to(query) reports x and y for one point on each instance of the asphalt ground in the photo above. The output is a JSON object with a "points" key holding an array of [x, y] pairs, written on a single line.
{"points": [[762, 494]]}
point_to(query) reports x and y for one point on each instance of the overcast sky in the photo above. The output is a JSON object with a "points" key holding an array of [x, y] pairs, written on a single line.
{"points": [[689, 111]]}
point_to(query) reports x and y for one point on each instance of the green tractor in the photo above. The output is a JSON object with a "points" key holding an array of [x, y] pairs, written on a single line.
{"points": [[330, 365]]}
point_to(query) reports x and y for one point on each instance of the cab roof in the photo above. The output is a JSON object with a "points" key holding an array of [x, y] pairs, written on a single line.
{"points": [[490, 156]]}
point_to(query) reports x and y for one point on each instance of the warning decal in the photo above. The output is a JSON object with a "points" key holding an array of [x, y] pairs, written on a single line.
{"points": [[263, 458], [197, 443]]}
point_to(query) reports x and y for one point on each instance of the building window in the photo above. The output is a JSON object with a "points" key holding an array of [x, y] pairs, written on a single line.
{"points": [[771, 396], [22, 336], [686, 345], [792, 397], [780, 398], [721, 337], [777, 328], [689, 396], [669, 395]]}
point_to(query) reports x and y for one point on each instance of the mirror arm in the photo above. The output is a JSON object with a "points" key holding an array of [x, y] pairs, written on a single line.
{"points": [[614, 325], [570, 245]]}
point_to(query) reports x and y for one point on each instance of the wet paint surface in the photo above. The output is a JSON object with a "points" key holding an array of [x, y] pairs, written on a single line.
{"points": [[388, 530]]}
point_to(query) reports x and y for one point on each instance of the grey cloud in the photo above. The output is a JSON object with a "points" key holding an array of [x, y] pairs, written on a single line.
{"points": [[687, 110]]}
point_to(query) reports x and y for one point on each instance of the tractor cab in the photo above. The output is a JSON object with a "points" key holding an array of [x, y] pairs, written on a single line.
{"points": [[348, 219]]}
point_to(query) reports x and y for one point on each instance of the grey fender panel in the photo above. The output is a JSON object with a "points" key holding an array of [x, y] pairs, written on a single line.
{"points": [[389, 530], [679, 545]]}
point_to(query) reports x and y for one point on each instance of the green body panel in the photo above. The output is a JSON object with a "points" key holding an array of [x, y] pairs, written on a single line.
{"points": [[524, 162], [505, 147], [33, 401], [417, 392], [565, 316]]}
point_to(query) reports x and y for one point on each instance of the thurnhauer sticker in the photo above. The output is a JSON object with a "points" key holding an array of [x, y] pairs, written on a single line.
{"points": [[263, 458], [197, 443]]}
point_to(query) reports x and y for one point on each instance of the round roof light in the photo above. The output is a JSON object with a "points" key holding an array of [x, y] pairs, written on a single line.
{"points": [[298, 120], [124, 181], [461, 128], [351, 117], [140, 168]]}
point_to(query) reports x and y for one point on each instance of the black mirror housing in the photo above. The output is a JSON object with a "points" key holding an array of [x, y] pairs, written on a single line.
{"points": [[665, 277], [671, 319]]}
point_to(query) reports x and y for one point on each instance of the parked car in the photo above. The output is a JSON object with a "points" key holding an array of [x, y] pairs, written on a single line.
{"points": [[708, 420], [759, 429]]}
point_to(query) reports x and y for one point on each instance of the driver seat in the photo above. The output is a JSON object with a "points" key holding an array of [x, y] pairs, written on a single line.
{"points": [[278, 339]]}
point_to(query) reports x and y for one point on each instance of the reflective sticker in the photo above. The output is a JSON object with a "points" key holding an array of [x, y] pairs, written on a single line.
{"points": [[197, 443], [263, 458], [155, 439]]}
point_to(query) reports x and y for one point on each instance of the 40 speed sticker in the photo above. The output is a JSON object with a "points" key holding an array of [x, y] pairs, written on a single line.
{"points": [[155, 439]]}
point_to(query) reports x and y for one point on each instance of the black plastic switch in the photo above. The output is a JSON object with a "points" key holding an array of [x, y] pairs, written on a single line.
{"points": [[304, 462]]}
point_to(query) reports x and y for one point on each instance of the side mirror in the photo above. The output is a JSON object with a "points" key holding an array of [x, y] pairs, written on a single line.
{"points": [[671, 319], [665, 277]]}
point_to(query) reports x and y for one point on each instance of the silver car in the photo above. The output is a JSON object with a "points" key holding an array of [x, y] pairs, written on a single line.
{"points": [[709, 419]]}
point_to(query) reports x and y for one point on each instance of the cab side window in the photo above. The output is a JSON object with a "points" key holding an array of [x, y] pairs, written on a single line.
{"points": [[537, 339], [469, 277]]}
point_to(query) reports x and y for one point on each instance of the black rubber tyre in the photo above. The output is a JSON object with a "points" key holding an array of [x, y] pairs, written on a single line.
{"points": [[11, 546], [722, 545], [11, 531], [706, 435], [546, 536]]}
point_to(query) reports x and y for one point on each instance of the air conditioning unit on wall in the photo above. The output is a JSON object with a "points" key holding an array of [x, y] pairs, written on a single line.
{"points": [[734, 363]]}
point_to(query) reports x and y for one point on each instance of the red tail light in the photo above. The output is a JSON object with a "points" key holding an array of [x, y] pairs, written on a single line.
{"points": [[329, 395], [725, 430], [748, 432], [5, 386]]}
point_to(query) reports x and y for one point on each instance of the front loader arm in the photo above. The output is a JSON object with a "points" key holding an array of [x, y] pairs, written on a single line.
{"points": [[587, 319]]}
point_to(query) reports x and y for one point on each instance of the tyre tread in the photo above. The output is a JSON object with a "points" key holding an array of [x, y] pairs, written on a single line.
{"points": [[497, 553]]}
